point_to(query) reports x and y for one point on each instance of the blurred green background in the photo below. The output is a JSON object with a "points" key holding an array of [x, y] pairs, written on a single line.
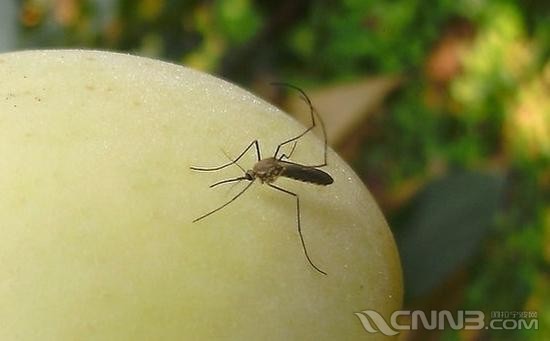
{"points": [[442, 107]]}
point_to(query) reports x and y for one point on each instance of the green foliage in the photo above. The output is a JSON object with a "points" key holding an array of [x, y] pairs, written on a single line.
{"points": [[238, 19], [342, 39]]}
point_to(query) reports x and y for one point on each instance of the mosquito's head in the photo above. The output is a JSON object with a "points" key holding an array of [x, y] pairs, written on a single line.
{"points": [[250, 175]]}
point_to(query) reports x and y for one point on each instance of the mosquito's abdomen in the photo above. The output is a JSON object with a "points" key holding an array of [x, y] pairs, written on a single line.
{"points": [[306, 174]]}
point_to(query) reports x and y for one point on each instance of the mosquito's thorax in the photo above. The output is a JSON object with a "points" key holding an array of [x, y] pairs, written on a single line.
{"points": [[267, 170]]}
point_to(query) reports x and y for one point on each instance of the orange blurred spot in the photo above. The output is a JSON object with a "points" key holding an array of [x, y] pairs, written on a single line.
{"points": [[31, 14], [66, 12], [444, 63]]}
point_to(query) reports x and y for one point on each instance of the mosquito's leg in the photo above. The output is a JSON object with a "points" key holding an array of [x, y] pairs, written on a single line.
{"points": [[284, 156], [308, 101], [313, 113], [227, 203], [299, 225], [324, 138], [231, 160], [206, 169]]}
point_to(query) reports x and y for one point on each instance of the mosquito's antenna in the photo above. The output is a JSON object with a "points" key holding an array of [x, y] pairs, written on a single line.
{"points": [[241, 178], [227, 203]]}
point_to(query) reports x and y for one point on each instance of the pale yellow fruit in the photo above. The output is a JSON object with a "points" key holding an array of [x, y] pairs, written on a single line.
{"points": [[97, 202]]}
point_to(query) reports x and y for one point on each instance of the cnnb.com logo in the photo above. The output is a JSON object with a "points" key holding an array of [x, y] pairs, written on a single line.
{"points": [[373, 322]]}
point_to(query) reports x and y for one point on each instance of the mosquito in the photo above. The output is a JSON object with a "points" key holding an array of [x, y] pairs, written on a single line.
{"points": [[267, 170]]}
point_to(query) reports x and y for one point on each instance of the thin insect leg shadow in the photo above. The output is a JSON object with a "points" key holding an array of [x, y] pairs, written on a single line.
{"points": [[299, 224]]}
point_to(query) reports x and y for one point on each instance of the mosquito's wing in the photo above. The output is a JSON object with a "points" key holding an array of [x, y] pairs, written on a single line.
{"points": [[306, 174]]}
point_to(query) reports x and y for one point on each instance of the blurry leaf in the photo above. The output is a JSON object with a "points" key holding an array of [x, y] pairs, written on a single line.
{"points": [[443, 227]]}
